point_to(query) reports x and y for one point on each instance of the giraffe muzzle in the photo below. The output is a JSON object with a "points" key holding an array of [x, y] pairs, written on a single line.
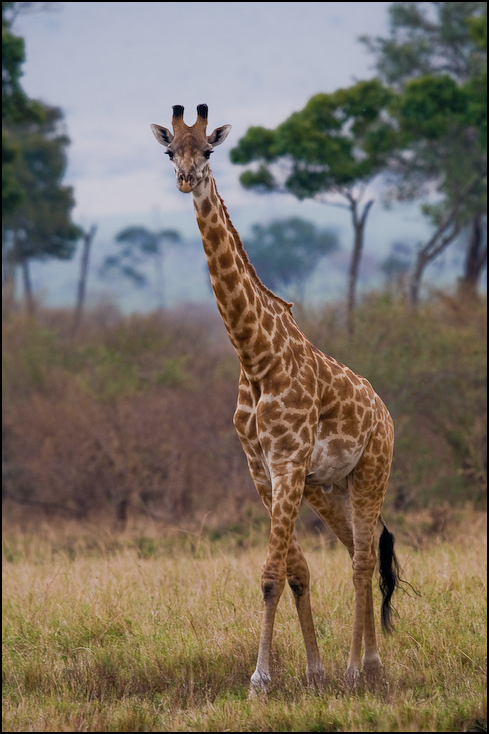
{"points": [[186, 182]]}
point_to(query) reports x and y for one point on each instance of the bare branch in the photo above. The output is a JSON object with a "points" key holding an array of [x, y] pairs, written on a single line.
{"points": [[31, 8]]}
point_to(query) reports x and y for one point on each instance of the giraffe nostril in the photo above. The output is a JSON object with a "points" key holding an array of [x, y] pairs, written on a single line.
{"points": [[184, 177]]}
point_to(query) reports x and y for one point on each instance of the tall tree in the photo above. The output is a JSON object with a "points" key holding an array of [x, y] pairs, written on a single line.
{"points": [[441, 148], [88, 238], [286, 251], [37, 208], [40, 227], [435, 58], [430, 38], [16, 107], [136, 245], [329, 151]]}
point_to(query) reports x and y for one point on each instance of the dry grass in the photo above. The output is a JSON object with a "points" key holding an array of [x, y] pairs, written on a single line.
{"points": [[158, 631]]}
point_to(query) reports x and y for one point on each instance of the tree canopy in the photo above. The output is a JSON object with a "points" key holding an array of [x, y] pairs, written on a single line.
{"points": [[431, 38], [336, 145], [40, 227], [337, 140], [16, 108]]}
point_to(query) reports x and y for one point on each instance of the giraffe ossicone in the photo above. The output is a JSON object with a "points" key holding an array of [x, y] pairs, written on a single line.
{"points": [[309, 426]]}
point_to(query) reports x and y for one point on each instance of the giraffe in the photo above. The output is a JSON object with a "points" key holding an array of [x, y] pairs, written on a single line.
{"points": [[309, 426]]}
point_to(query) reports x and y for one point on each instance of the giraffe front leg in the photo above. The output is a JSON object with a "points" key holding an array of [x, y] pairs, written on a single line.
{"points": [[272, 590], [287, 487]]}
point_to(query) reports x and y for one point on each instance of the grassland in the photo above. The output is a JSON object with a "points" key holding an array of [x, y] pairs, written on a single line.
{"points": [[157, 630], [133, 537]]}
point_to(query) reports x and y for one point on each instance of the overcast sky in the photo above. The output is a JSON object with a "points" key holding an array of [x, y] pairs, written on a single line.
{"points": [[114, 68]]}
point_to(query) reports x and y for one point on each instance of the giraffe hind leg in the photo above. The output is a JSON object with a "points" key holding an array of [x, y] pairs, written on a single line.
{"points": [[367, 494], [335, 509], [298, 580], [372, 665]]}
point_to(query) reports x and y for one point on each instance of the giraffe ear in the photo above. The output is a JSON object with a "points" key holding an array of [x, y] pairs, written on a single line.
{"points": [[162, 135], [219, 135]]}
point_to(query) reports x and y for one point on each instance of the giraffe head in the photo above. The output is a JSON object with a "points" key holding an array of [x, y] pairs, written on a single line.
{"points": [[189, 148]]}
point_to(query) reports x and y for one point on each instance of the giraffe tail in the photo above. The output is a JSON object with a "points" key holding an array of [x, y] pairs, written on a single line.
{"points": [[390, 576]]}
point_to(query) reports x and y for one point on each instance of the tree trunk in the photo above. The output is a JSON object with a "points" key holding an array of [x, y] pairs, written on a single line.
{"points": [[446, 232], [359, 227], [26, 276], [87, 241], [417, 274], [8, 274], [476, 259]]}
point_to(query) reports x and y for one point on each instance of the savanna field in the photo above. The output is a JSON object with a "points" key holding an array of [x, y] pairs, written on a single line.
{"points": [[133, 538]]}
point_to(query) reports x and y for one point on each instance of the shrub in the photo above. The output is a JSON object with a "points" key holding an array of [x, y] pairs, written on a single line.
{"points": [[137, 412]]}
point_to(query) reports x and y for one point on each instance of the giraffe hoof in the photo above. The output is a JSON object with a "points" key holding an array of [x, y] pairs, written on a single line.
{"points": [[260, 683], [373, 670], [352, 678], [316, 678]]}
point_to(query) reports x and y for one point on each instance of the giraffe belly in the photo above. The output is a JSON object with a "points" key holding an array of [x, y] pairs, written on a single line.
{"points": [[332, 460]]}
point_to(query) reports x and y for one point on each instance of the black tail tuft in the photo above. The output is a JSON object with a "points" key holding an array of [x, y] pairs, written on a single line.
{"points": [[390, 577]]}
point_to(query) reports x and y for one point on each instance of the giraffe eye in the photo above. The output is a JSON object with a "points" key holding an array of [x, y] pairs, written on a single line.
{"points": [[207, 154], [169, 154]]}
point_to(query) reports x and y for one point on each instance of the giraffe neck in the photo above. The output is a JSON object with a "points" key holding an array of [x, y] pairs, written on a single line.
{"points": [[250, 311]]}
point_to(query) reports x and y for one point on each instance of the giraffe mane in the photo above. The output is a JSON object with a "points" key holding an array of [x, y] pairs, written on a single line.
{"points": [[249, 265]]}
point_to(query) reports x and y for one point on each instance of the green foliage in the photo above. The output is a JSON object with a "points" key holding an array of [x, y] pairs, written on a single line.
{"points": [[431, 38], [436, 59], [286, 252], [257, 143], [429, 106], [36, 206], [442, 131], [16, 108], [262, 179], [478, 30], [335, 141], [41, 227], [15, 103]]}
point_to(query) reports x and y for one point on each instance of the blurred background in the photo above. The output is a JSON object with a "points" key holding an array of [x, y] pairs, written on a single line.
{"points": [[355, 173]]}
